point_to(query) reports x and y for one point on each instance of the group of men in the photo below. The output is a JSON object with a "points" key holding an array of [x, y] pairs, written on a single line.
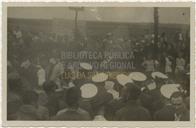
{"points": [[157, 89], [131, 96]]}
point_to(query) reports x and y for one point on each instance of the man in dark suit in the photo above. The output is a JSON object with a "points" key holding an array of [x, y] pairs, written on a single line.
{"points": [[132, 111]]}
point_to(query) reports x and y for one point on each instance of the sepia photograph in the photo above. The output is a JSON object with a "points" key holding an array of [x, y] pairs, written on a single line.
{"points": [[98, 63]]}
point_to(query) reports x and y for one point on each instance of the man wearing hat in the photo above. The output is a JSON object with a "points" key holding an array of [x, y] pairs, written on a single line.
{"points": [[174, 107], [85, 70], [102, 97], [114, 105], [181, 111], [146, 97], [88, 91]]}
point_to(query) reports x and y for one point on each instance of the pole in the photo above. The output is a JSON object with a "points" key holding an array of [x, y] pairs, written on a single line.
{"points": [[156, 29], [76, 9], [156, 25], [76, 25]]}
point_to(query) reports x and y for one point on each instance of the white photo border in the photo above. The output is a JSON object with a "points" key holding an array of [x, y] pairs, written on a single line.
{"points": [[115, 124]]}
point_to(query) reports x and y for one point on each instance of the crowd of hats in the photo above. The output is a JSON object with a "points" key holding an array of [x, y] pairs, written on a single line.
{"points": [[42, 57], [89, 90]]}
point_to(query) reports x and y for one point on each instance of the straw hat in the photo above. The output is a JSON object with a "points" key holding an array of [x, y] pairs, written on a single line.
{"points": [[159, 75], [100, 77], [88, 90], [168, 89], [86, 66], [123, 79], [137, 76]]}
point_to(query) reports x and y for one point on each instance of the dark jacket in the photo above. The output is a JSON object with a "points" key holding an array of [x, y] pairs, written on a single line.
{"points": [[14, 103], [27, 112], [53, 104], [133, 112], [112, 107], [30, 112], [168, 112], [72, 115], [165, 114]]}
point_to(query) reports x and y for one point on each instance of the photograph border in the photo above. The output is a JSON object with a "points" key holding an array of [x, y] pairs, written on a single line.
{"points": [[145, 124]]}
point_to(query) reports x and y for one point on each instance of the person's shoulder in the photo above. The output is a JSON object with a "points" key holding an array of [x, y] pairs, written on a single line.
{"points": [[56, 66], [85, 115], [116, 104], [122, 110], [43, 108], [144, 113], [60, 112], [142, 109], [82, 111], [13, 97], [58, 117], [165, 110], [41, 70]]}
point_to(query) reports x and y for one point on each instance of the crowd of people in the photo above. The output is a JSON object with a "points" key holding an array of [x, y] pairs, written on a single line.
{"points": [[37, 89]]}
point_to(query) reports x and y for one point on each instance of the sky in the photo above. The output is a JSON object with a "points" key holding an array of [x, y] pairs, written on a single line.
{"points": [[173, 15]]}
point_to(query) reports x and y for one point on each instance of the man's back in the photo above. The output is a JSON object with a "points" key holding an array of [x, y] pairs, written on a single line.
{"points": [[73, 115], [133, 112], [165, 114]]}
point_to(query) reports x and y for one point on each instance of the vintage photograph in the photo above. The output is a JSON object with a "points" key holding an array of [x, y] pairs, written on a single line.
{"points": [[88, 63]]}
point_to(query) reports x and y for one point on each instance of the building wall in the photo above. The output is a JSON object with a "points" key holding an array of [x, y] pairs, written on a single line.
{"points": [[96, 29], [168, 15]]}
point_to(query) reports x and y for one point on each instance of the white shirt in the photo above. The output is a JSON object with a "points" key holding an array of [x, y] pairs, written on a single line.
{"points": [[149, 65], [168, 65], [41, 74], [180, 63]]}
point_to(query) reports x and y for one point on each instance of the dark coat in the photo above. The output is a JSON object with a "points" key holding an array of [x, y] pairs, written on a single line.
{"points": [[133, 112], [112, 107], [30, 112], [165, 114], [27, 112], [72, 115]]}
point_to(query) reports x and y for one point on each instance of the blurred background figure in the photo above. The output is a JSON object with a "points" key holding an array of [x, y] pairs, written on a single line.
{"points": [[30, 110]]}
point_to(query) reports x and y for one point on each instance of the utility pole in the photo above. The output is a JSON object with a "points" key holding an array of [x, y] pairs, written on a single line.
{"points": [[156, 31], [76, 9], [156, 25]]}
